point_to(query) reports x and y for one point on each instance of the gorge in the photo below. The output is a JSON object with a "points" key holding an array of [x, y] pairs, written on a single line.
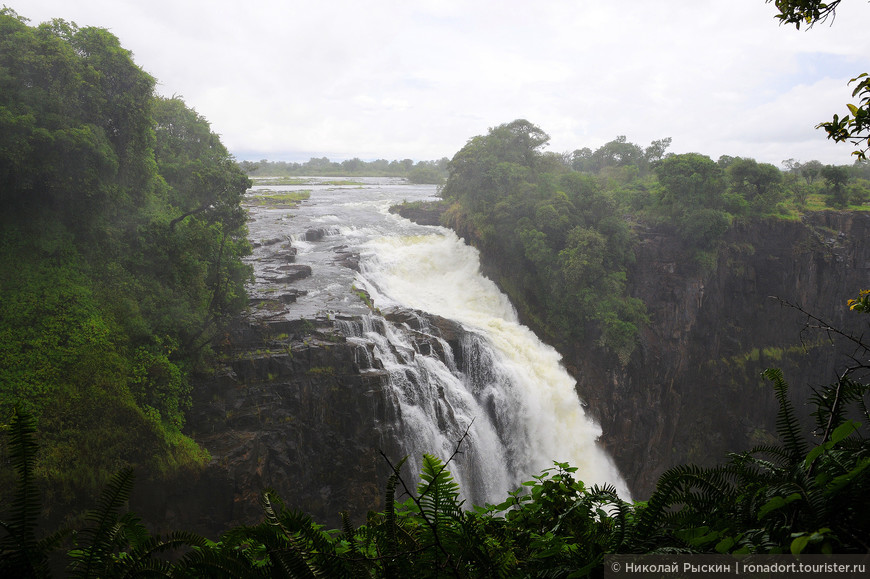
{"points": [[370, 333], [356, 344]]}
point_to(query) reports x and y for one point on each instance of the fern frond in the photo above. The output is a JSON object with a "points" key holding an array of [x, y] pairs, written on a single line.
{"points": [[787, 425], [107, 528], [295, 544], [218, 562], [141, 559], [438, 491], [776, 452], [619, 513], [21, 553]]}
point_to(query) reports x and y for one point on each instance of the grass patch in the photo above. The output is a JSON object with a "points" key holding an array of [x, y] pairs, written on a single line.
{"points": [[364, 296], [337, 182], [274, 198], [790, 211]]}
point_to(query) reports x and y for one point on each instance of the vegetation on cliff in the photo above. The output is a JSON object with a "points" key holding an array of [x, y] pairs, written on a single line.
{"points": [[562, 227], [119, 254]]}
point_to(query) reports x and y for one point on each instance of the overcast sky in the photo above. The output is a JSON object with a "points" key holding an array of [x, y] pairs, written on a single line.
{"points": [[394, 79]]}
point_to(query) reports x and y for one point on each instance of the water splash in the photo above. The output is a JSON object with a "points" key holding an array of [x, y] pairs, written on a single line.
{"points": [[523, 402]]}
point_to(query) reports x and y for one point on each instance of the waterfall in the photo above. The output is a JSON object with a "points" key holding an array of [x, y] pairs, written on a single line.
{"points": [[510, 392], [494, 380]]}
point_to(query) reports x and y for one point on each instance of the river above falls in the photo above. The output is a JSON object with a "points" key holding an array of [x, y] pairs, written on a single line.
{"points": [[325, 230]]}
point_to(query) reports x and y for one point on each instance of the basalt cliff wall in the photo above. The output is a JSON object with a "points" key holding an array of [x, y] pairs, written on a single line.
{"points": [[693, 390], [291, 410], [297, 408]]}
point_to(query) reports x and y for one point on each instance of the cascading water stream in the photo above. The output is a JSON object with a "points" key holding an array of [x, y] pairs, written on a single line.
{"points": [[437, 409], [523, 403]]}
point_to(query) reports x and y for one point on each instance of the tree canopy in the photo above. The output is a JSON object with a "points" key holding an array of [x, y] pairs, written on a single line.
{"points": [[563, 226], [120, 252]]}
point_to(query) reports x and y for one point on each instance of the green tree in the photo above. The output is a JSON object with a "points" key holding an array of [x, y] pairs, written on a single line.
{"points": [[656, 150], [691, 181], [200, 242], [581, 159], [692, 198], [488, 166], [617, 153], [837, 178], [120, 252], [583, 257], [75, 120], [203, 177], [759, 183]]}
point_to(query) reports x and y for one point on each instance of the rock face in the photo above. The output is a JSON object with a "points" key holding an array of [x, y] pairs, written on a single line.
{"points": [[693, 391], [297, 408], [294, 411], [425, 214]]}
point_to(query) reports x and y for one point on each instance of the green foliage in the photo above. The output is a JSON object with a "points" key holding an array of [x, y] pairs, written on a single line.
{"points": [[691, 182], [486, 167], [426, 174], [861, 303], [272, 198], [75, 117], [619, 153], [808, 12], [562, 231], [564, 239], [837, 179], [564, 245], [703, 228], [122, 234], [759, 184], [22, 554]]}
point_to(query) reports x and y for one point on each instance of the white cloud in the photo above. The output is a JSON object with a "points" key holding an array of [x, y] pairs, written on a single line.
{"points": [[416, 79]]}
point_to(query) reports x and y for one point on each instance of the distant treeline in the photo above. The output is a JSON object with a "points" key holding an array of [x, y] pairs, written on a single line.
{"points": [[419, 172]]}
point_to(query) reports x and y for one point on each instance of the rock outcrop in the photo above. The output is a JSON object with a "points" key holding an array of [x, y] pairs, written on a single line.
{"points": [[298, 408], [292, 409], [424, 214]]}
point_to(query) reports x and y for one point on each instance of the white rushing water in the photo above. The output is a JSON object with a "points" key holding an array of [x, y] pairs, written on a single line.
{"points": [[510, 391], [524, 399]]}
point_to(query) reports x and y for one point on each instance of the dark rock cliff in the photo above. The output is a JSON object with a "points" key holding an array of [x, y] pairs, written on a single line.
{"points": [[300, 409], [291, 410], [693, 391]]}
